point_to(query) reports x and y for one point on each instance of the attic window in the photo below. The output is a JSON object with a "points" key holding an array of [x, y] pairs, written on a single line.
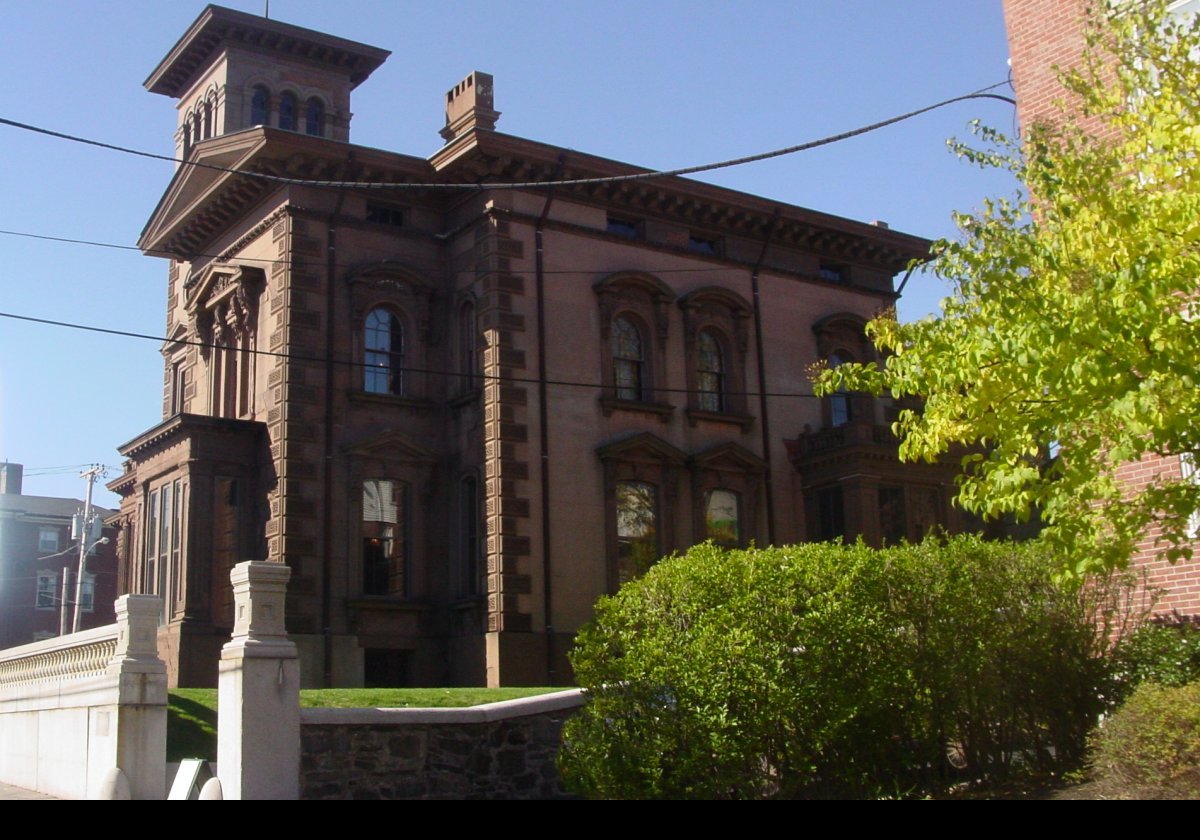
{"points": [[624, 228], [702, 244], [833, 273], [381, 214]]}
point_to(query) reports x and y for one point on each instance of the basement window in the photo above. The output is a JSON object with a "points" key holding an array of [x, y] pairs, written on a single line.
{"points": [[381, 214]]}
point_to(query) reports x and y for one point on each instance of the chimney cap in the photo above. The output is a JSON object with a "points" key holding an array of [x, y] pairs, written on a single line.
{"points": [[470, 106]]}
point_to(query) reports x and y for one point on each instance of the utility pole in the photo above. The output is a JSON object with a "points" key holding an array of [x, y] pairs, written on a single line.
{"points": [[85, 530]]}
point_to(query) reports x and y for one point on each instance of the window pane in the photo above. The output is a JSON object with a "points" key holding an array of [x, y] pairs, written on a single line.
{"points": [[637, 529], [710, 374], [47, 539], [287, 112], [384, 357], [627, 359], [893, 521], [314, 117], [258, 107], [831, 515], [385, 537], [721, 517], [47, 590]]}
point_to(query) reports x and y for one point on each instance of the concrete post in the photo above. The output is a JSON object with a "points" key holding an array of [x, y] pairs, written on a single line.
{"points": [[258, 694], [141, 697]]}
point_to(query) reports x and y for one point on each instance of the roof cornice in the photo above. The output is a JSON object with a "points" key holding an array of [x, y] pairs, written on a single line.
{"points": [[218, 27]]}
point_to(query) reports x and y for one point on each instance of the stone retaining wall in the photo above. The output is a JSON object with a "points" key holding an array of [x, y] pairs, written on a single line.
{"points": [[501, 750]]}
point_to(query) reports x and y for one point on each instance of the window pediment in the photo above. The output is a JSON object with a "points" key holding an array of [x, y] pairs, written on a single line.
{"points": [[728, 457], [392, 446], [644, 447]]}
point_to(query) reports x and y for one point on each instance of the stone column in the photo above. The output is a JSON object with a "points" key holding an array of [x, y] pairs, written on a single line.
{"points": [[141, 697], [258, 694]]}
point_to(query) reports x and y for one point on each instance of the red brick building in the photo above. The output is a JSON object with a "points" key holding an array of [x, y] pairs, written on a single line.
{"points": [[461, 415], [1043, 34], [36, 550]]}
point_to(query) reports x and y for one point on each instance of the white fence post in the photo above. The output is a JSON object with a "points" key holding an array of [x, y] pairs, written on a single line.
{"points": [[141, 697], [258, 695]]}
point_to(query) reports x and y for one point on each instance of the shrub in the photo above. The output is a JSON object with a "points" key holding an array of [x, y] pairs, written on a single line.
{"points": [[1150, 748], [1167, 653], [829, 670]]}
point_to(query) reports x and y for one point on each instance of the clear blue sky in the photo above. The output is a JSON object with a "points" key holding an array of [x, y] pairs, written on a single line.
{"points": [[660, 84]]}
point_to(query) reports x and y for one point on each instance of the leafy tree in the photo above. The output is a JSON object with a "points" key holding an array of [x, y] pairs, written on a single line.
{"points": [[1070, 343]]}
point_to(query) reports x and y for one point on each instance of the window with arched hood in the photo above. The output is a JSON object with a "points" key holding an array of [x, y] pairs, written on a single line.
{"points": [[287, 112], [710, 373], [260, 103], [716, 334], [634, 334], [314, 117], [629, 359], [208, 119], [383, 361]]}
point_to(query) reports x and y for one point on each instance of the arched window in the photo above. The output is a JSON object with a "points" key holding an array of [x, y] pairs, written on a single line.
{"points": [[198, 125], [208, 119], [710, 373], [628, 360], [260, 101], [187, 136], [840, 411], [314, 117], [287, 112], [384, 357]]}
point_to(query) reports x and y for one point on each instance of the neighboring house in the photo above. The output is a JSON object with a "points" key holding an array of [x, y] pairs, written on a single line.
{"points": [[461, 416], [36, 547], [1043, 35]]}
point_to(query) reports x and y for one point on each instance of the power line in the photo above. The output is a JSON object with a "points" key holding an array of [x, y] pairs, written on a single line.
{"points": [[982, 93], [351, 363]]}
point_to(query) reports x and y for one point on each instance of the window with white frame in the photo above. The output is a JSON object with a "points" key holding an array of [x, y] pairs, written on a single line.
{"points": [[47, 590], [48, 539]]}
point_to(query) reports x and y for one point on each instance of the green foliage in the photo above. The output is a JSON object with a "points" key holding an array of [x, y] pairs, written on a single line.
{"points": [[1150, 748], [1167, 654], [1068, 346], [192, 724], [828, 670]]}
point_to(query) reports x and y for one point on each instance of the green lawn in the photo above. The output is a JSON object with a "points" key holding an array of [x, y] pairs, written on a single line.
{"points": [[192, 712]]}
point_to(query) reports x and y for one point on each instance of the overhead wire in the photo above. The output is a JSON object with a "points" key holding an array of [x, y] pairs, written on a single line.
{"points": [[532, 380], [981, 93]]}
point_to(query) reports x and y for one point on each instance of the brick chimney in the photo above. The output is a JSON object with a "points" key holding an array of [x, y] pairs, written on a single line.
{"points": [[469, 106], [10, 478]]}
